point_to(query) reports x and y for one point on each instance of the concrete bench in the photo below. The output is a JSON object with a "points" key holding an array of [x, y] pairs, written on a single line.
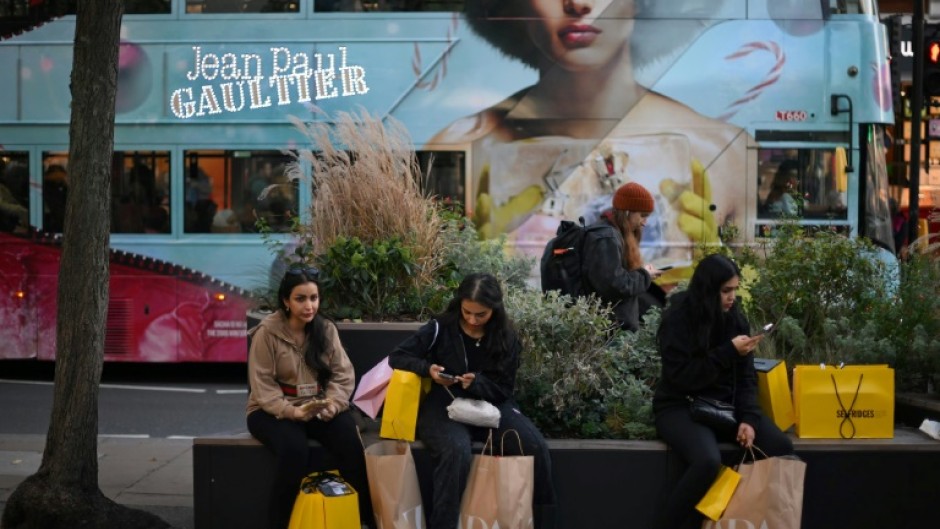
{"points": [[877, 483]]}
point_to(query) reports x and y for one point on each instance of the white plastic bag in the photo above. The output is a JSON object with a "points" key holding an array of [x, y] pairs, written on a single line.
{"points": [[473, 411]]}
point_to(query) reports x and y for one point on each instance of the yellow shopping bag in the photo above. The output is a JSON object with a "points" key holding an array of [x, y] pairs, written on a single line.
{"points": [[719, 494], [853, 402], [400, 414], [325, 501], [773, 391]]}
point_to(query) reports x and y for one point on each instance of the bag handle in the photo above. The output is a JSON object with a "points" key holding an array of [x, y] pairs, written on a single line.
{"points": [[502, 442], [750, 450], [847, 413], [488, 442]]}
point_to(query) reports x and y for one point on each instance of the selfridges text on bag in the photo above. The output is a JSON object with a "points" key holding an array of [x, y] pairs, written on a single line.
{"points": [[560, 266], [852, 402]]}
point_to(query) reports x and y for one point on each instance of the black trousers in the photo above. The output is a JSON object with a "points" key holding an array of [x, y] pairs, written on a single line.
{"points": [[288, 440], [697, 445], [449, 443]]}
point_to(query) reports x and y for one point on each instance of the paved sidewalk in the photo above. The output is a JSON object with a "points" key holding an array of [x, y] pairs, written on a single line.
{"points": [[155, 475]]}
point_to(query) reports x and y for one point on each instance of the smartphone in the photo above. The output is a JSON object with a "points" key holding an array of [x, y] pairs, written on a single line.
{"points": [[315, 403], [446, 376], [766, 329], [664, 268]]}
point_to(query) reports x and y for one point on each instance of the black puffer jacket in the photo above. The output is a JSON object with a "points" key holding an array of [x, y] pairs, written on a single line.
{"points": [[494, 383], [719, 373], [604, 274]]}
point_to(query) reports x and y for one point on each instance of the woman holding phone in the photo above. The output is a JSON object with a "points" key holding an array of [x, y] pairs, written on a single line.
{"points": [[471, 350], [301, 381], [707, 351]]}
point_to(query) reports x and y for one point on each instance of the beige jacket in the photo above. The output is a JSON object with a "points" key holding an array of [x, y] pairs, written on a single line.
{"points": [[275, 359]]}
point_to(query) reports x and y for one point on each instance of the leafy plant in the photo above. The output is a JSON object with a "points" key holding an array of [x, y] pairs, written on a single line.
{"points": [[368, 280], [466, 253], [579, 377], [815, 285]]}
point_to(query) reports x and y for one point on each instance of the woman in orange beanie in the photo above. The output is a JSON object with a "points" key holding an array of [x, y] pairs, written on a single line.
{"points": [[612, 266]]}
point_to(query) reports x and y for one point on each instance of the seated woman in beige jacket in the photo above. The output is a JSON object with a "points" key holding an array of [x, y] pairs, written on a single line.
{"points": [[301, 382]]}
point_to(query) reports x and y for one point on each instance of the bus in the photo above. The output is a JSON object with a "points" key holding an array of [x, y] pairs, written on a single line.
{"points": [[735, 114]]}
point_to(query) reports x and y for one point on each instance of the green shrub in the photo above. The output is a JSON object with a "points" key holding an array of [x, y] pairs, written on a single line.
{"points": [[820, 287], [580, 377], [465, 253]]}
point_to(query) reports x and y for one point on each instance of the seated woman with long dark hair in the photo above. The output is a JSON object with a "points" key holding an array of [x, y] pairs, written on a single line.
{"points": [[707, 351]]}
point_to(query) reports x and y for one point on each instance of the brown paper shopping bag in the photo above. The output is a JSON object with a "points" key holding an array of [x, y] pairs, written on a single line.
{"points": [[393, 485], [770, 494], [499, 491]]}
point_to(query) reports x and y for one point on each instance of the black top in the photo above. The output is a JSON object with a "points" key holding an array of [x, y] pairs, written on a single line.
{"points": [[718, 372], [605, 275], [491, 383]]}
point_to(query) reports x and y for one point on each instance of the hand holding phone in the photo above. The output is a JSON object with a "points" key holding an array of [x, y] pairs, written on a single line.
{"points": [[314, 404], [447, 376]]}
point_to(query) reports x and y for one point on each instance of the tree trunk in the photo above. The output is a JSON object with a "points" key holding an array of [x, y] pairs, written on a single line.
{"points": [[64, 492]]}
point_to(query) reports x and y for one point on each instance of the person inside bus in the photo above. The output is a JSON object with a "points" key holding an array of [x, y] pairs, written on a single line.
{"points": [[296, 358], [14, 198], [707, 350], [55, 190], [200, 208], [612, 265], [471, 350], [586, 53], [780, 201]]}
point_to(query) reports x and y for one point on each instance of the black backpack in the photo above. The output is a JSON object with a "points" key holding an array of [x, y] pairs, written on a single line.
{"points": [[561, 261]]}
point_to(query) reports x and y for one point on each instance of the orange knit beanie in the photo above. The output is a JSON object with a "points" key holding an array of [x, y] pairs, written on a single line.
{"points": [[633, 197]]}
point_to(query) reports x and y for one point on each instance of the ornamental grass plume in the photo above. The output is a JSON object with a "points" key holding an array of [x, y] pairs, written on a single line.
{"points": [[367, 184]]}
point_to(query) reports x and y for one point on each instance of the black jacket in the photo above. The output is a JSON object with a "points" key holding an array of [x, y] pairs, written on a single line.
{"points": [[719, 373], [605, 275], [494, 383]]}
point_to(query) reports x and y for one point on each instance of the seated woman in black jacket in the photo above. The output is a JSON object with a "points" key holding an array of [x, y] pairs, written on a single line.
{"points": [[707, 350], [471, 350]]}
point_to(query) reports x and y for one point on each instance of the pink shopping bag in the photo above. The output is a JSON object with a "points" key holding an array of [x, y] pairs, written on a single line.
{"points": [[370, 394]]}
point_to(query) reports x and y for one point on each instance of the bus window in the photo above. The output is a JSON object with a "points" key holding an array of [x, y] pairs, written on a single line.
{"points": [[801, 183], [444, 175], [242, 6], [853, 7], [229, 191], [55, 189], [140, 191], [14, 192]]}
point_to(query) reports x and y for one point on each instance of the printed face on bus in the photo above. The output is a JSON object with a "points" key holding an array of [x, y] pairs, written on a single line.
{"points": [[728, 292], [304, 302], [580, 35], [474, 314]]}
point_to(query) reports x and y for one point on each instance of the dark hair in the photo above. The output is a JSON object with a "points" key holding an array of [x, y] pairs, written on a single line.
{"points": [[484, 289], [781, 181], [702, 300], [318, 346]]}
